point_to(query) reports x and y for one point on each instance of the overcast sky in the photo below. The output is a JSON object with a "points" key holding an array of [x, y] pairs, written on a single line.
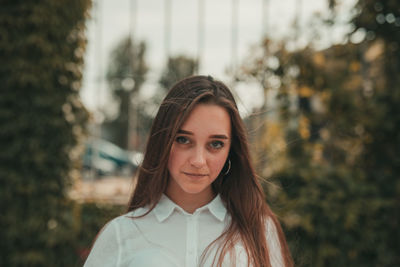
{"points": [[111, 20]]}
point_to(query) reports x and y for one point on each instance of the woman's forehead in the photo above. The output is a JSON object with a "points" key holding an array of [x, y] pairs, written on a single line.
{"points": [[210, 119]]}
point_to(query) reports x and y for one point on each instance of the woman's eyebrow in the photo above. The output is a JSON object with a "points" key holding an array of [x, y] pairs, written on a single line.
{"points": [[217, 136], [184, 132]]}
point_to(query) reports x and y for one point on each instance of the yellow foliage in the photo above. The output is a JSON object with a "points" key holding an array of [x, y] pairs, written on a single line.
{"points": [[325, 95], [317, 153], [325, 134], [374, 51], [273, 146], [354, 66], [274, 137], [319, 59], [304, 127], [305, 91], [353, 83]]}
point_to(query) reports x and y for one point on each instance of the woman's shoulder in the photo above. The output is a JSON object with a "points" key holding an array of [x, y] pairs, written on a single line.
{"points": [[271, 229], [127, 221], [130, 215], [273, 242], [269, 223]]}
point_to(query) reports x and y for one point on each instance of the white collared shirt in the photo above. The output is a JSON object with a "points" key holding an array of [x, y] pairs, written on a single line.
{"points": [[170, 237]]}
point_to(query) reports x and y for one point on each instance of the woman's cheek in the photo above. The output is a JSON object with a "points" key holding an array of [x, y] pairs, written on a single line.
{"points": [[218, 164]]}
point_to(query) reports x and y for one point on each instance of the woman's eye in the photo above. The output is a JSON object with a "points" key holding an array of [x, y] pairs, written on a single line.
{"points": [[182, 140], [216, 144]]}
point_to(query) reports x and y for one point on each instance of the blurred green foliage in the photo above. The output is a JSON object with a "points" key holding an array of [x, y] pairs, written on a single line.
{"points": [[332, 142], [42, 120], [126, 74], [177, 68]]}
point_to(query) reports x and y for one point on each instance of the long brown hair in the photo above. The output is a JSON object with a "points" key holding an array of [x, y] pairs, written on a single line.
{"points": [[239, 189]]}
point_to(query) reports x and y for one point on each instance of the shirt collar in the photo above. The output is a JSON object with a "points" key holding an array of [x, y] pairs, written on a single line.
{"points": [[217, 208], [166, 206]]}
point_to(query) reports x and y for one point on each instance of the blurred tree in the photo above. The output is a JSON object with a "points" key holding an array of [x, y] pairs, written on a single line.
{"points": [[125, 76], [380, 160], [42, 122], [338, 110], [177, 68]]}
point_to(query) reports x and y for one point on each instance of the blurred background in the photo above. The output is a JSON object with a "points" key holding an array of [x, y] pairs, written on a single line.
{"points": [[317, 83]]}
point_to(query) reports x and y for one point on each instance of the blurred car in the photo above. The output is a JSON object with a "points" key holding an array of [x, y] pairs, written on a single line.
{"points": [[103, 158]]}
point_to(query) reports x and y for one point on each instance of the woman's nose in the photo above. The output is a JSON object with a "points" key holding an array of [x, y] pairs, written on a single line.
{"points": [[198, 158]]}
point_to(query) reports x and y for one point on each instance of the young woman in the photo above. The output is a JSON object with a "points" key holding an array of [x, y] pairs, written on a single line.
{"points": [[197, 201]]}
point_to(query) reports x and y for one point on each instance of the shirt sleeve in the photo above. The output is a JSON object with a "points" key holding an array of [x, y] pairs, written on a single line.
{"points": [[106, 251], [274, 246]]}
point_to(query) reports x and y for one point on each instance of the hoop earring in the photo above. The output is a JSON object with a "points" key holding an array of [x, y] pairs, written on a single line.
{"points": [[229, 167]]}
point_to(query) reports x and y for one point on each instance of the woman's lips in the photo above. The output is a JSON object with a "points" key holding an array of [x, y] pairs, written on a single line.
{"points": [[195, 175]]}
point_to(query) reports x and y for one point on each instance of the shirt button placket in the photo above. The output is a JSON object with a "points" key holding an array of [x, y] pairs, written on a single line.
{"points": [[191, 242]]}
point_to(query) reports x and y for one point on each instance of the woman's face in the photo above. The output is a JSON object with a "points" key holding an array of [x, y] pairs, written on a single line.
{"points": [[199, 152]]}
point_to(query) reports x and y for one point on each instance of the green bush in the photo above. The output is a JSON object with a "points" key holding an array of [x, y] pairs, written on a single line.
{"points": [[42, 120]]}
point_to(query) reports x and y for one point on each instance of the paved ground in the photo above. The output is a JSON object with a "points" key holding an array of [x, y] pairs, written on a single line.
{"points": [[116, 190]]}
